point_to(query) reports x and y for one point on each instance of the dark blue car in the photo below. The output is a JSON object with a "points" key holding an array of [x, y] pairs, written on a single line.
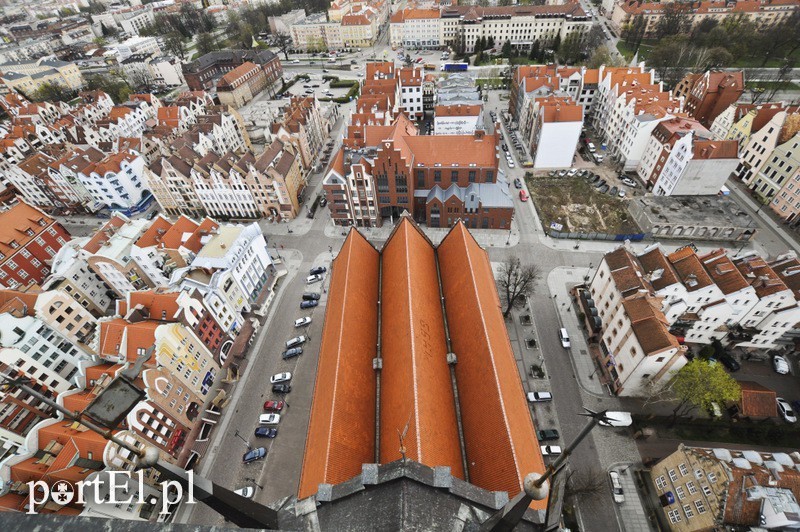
{"points": [[266, 432], [253, 455]]}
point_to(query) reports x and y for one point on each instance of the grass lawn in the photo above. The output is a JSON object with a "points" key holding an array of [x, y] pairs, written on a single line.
{"points": [[627, 50], [579, 207]]}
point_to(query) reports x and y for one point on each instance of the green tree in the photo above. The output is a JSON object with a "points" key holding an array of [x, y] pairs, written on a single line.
{"points": [[174, 43], [117, 88], [283, 42], [506, 50], [206, 42], [602, 56], [673, 21], [490, 42], [700, 383], [52, 92], [557, 43], [535, 52]]}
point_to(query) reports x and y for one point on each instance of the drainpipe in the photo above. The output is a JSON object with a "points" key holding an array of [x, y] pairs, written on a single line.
{"points": [[377, 365], [451, 362]]}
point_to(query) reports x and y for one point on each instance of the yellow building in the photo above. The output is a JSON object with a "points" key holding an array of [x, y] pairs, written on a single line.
{"points": [[27, 77], [185, 357]]}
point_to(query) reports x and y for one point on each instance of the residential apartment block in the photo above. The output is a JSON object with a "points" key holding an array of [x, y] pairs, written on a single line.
{"points": [[656, 304], [703, 489], [555, 129], [242, 84], [621, 12], [460, 26], [27, 77], [709, 93], [303, 125], [681, 158], [29, 239]]}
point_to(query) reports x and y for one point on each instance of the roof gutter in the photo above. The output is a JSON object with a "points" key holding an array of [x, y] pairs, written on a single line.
{"points": [[451, 362], [377, 365]]}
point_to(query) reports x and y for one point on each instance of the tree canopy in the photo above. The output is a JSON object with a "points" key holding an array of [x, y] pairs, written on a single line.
{"points": [[700, 383]]}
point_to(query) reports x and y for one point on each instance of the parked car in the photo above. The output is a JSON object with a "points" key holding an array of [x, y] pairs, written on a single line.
{"points": [[246, 492], [308, 304], [613, 191], [280, 377], [597, 158], [518, 183], [780, 364], [269, 419], [318, 270], [297, 340], [603, 189], [628, 181], [562, 173], [590, 147], [511, 164], [601, 183], [266, 432], [785, 410], [523, 196], [616, 487], [564, 337], [505, 147], [621, 194], [539, 397], [547, 434], [311, 296], [273, 406], [293, 352], [295, 61], [714, 410], [729, 362], [572, 172], [550, 450], [302, 322], [281, 388], [311, 279], [253, 455]]}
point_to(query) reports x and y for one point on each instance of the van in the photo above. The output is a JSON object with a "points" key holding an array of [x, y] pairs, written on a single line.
{"points": [[564, 337], [591, 147]]}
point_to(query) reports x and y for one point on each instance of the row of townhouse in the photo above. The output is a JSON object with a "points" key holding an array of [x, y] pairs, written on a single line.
{"points": [[463, 25], [769, 163], [231, 185], [653, 304], [303, 125], [385, 167], [177, 314], [763, 13]]}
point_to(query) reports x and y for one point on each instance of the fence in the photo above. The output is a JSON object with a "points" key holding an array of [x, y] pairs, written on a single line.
{"points": [[633, 237]]}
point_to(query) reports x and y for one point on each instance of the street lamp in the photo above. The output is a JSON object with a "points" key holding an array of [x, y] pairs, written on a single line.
{"points": [[249, 447]]}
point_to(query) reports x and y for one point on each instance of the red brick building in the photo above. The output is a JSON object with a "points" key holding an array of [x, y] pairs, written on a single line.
{"points": [[710, 93], [202, 73], [437, 178], [29, 239]]}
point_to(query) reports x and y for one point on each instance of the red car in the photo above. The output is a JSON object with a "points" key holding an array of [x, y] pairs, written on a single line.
{"points": [[523, 196], [273, 406]]}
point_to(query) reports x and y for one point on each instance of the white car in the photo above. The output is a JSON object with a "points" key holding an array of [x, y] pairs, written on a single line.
{"points": [[616, 487], [622, 194], [246, 492], [539, 397], [617, 419], [785, 410], [780, 364], [280, 377], [572, 172], [564, 337], [311, 279], [598, 158], [269, 419], [511, 164], [301, 322], [294, 342], [550, 450], [295, 61]]}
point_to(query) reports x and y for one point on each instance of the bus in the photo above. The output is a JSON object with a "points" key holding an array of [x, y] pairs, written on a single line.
{"points": [[454, 67]]}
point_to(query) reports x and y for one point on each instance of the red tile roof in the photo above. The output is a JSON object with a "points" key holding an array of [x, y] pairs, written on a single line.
{"points": [[341, 430], [160, 306], [104, 234], [757, 400], [760, 276], [415, 381], [17, 222]]}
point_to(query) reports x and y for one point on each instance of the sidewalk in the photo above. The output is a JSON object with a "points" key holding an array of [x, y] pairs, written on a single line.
{"points": [[559, 281], [763, 212], [631, 513], [487, 238]]}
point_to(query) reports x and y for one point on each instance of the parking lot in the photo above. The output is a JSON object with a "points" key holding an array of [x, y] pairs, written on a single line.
{"points": [[318, 87]]}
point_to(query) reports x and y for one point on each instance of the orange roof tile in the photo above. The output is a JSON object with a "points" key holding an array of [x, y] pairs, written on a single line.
{"points": [[760, 276], [153, 235], [449, 150], [415, 381], [500, 440], [20, 224], [104, 234], [724, 273], [757, 400], [689, 269], [18, 303], [137, 335], [160, 306], [341, 429]]}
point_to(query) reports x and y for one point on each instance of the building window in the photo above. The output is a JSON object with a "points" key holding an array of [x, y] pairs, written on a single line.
{"points": [[680, 493], [674, 516], [420, 178], [684, 471], [712, 477], [688, 511], [454, 176], [437, 176], [691, 487], [706, 490], [490, 176], [661, 482], [701, 507], [472, 175], [672, 475]]}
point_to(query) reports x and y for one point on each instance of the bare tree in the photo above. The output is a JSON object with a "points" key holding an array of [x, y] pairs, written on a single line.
{"points": [[585, 482], [283, 42], [516, 281]]}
